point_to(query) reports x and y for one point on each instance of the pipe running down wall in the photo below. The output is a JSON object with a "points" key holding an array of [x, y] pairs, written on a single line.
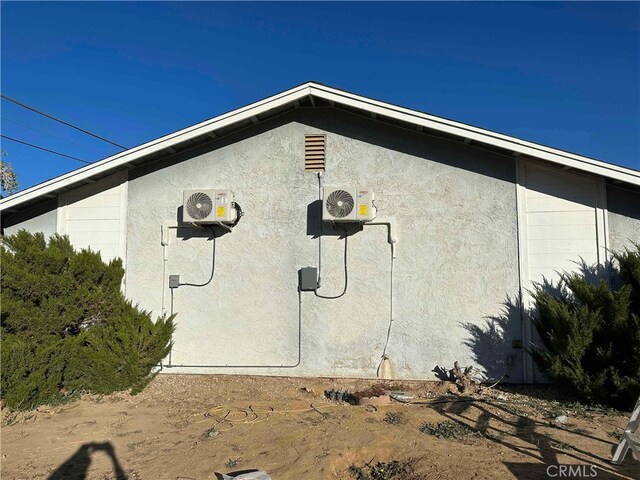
{"points": [[164, 240]]}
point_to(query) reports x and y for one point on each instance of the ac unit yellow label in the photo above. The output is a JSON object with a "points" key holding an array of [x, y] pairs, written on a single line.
{"points": [[362, 209], [220, 212]]}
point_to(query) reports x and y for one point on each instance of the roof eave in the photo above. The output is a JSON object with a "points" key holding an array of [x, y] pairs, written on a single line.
{"points": [[332, 95], [157, 145], [511, 144]]}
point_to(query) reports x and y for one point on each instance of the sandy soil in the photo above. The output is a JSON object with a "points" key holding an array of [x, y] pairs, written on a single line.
{"points": [[287, 427]]}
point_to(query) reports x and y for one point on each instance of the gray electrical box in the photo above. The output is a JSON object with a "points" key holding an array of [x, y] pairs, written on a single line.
{"points": [[174, 281], [308, 279]]}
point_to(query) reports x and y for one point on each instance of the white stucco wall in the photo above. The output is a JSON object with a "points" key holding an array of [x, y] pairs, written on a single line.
{"points": [[455, 213], [455, 276], [456, 273]]}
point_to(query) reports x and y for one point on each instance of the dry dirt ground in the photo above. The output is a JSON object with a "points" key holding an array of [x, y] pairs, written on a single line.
{"points": [[189, 427]]}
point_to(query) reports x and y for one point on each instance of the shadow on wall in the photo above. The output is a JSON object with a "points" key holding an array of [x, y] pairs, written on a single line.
{"points": [[77, 466], [317, 228], [362, 128], [623, 201], [496, 344], [185, 231], [492, 342]]}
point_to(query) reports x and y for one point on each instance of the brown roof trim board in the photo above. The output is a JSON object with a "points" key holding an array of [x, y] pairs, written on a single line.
{"points": [[314, 91]]}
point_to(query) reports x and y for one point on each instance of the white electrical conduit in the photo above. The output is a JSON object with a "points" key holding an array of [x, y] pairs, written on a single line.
{"points": [[393, 240], [165, 242]]}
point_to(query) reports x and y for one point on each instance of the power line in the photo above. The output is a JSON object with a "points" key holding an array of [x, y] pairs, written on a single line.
{"points": [[39, 112], [50, 134], [44, 149]]}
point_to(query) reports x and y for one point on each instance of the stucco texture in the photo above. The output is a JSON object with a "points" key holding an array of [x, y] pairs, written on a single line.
{"points": [[623, 206], [454, 210]]}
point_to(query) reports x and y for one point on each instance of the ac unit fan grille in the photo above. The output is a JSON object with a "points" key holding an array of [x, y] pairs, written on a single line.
{"points": [[340, 203], [199, 206]]}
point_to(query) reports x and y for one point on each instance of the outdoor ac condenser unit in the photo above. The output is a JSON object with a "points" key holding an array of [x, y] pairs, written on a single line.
{"points": [[347, 205], [208, 206]]}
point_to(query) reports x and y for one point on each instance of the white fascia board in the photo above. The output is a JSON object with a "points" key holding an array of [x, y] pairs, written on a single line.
{"points": [[480, 135], [156, 145]]}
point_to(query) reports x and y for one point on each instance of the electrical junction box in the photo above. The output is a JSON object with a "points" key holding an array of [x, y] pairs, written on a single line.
{"points": [[308, 279], [174, 281]]}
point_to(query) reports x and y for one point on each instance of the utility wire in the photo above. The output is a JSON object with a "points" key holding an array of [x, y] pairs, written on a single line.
{"points": [[44, 149], [39, 112], [50, 134], [213, 268], [346, 271]]}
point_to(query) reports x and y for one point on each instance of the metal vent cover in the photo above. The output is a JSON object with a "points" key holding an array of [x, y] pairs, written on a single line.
{"points": [[314, 153]]}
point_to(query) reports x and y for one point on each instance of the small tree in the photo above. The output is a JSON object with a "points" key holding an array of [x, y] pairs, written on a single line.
{"points": [[8, 179], [66, 326], [591, 334]]}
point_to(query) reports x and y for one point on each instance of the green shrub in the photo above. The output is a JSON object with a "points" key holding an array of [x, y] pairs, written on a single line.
{"points": [[66, 326], [591, 334]]}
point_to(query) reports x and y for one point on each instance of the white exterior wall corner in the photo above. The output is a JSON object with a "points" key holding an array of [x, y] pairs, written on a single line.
{"points": [[94, 215], [563, 224], [623, 207], [457, 255]]}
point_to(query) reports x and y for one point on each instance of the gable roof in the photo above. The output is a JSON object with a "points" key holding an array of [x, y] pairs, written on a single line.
{"points": [[313, 94]]}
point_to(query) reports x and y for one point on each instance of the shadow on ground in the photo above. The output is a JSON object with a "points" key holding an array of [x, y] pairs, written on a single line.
{"points": [[512, 428], [77, 466]]}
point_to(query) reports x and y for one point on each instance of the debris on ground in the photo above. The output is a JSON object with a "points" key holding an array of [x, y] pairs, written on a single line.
{"points": [[340, 396], [393, 418], [375, 390], [464, 378], [245, 475], [448, 429], [393, 470], [211, 432], [400, 396], [561, 419]]}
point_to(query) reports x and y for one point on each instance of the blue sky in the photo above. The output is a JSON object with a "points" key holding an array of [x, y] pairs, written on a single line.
{"points": [[562, 74]]}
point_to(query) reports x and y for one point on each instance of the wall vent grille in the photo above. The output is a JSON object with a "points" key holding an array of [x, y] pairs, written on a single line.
{"points": [[314, 153]]}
